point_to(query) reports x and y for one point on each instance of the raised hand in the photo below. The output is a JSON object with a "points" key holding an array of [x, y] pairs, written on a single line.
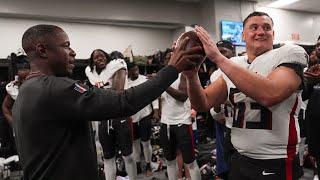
{"points": [[209, 46]]}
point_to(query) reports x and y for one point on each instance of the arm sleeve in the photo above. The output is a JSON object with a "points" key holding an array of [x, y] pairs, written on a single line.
{"points": [[218, 115], [99, 104]]}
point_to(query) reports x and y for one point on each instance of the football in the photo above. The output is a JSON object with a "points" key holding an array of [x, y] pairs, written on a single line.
{"points": [[193, 41]]}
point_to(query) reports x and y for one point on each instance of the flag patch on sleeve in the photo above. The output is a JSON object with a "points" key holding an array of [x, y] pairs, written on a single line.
{"points": [[79, 88]]}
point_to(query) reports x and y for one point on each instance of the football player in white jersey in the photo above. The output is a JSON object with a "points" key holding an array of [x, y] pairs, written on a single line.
{"points": [[12, 89], [223, 119], [112, 74], [176, 129], [264, 88], [141, 122]]}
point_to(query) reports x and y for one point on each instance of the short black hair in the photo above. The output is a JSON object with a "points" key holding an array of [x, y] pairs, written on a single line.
{"points": [[256, 13], [226, 44], [23, 66], [35, 34], [91, 58], [116, 55]]}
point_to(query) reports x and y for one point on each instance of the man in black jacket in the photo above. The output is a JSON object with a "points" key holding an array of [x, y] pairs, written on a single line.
{"points": [[51, 113], [312, 92]]}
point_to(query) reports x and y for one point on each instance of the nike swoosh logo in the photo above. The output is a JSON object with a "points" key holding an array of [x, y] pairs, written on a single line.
{"points": [[122, 121], [264, 173]]}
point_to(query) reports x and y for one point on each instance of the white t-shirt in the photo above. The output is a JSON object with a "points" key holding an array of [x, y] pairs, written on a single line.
{"points": [[267, 133], [146, 110], [173, 111]]}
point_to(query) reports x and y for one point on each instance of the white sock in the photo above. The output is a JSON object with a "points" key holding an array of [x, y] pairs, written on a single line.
{"points": [[136, 150], [194, 170], [147, 150], [110, 168], [301, 150], [172, 169], [131, 166]]}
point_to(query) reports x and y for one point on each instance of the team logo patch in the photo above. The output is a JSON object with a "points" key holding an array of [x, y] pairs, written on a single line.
{"points": [[79, 88]]}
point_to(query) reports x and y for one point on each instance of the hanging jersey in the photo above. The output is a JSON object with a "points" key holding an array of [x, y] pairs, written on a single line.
{"points": [[104, 79], [266, 132], [12, 90], [146, 110], [173, 111]]}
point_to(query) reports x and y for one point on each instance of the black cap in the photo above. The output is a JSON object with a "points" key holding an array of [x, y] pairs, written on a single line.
{"points": [[226, 44]]}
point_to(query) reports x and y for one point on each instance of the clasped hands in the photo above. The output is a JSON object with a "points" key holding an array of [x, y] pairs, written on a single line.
{"points": [[188, 61]]}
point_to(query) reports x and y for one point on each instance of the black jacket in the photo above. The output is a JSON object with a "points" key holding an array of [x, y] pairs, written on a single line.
{"points": [[313, 119], [50, 119]]}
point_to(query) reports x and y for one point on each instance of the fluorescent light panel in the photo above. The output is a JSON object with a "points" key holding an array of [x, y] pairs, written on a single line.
{"points": [[282, 3]]}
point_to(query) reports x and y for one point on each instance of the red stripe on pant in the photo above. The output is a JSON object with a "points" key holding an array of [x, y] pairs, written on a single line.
{"points": [[192, 139], [292, 142]]}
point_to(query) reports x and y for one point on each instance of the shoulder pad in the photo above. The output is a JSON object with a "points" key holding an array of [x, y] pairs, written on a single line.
{"points": [[117, 64], [292, 54]]}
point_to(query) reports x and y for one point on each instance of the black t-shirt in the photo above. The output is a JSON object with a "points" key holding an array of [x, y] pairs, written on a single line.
{"points": [[312, 121], [50, 119], [3, 93]]}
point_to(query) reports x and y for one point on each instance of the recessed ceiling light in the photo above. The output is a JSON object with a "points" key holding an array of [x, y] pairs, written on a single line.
{"points": [[282, 3]]}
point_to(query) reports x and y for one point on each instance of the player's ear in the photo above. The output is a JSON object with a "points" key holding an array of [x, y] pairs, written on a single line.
{"points": [[243, 36], [41, 50], [272, 34]]}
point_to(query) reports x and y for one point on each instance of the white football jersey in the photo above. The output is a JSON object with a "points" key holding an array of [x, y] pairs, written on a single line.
{"points": [[12, 89], [146, 110], [104, 79], [260, 132], [175, 112]]}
